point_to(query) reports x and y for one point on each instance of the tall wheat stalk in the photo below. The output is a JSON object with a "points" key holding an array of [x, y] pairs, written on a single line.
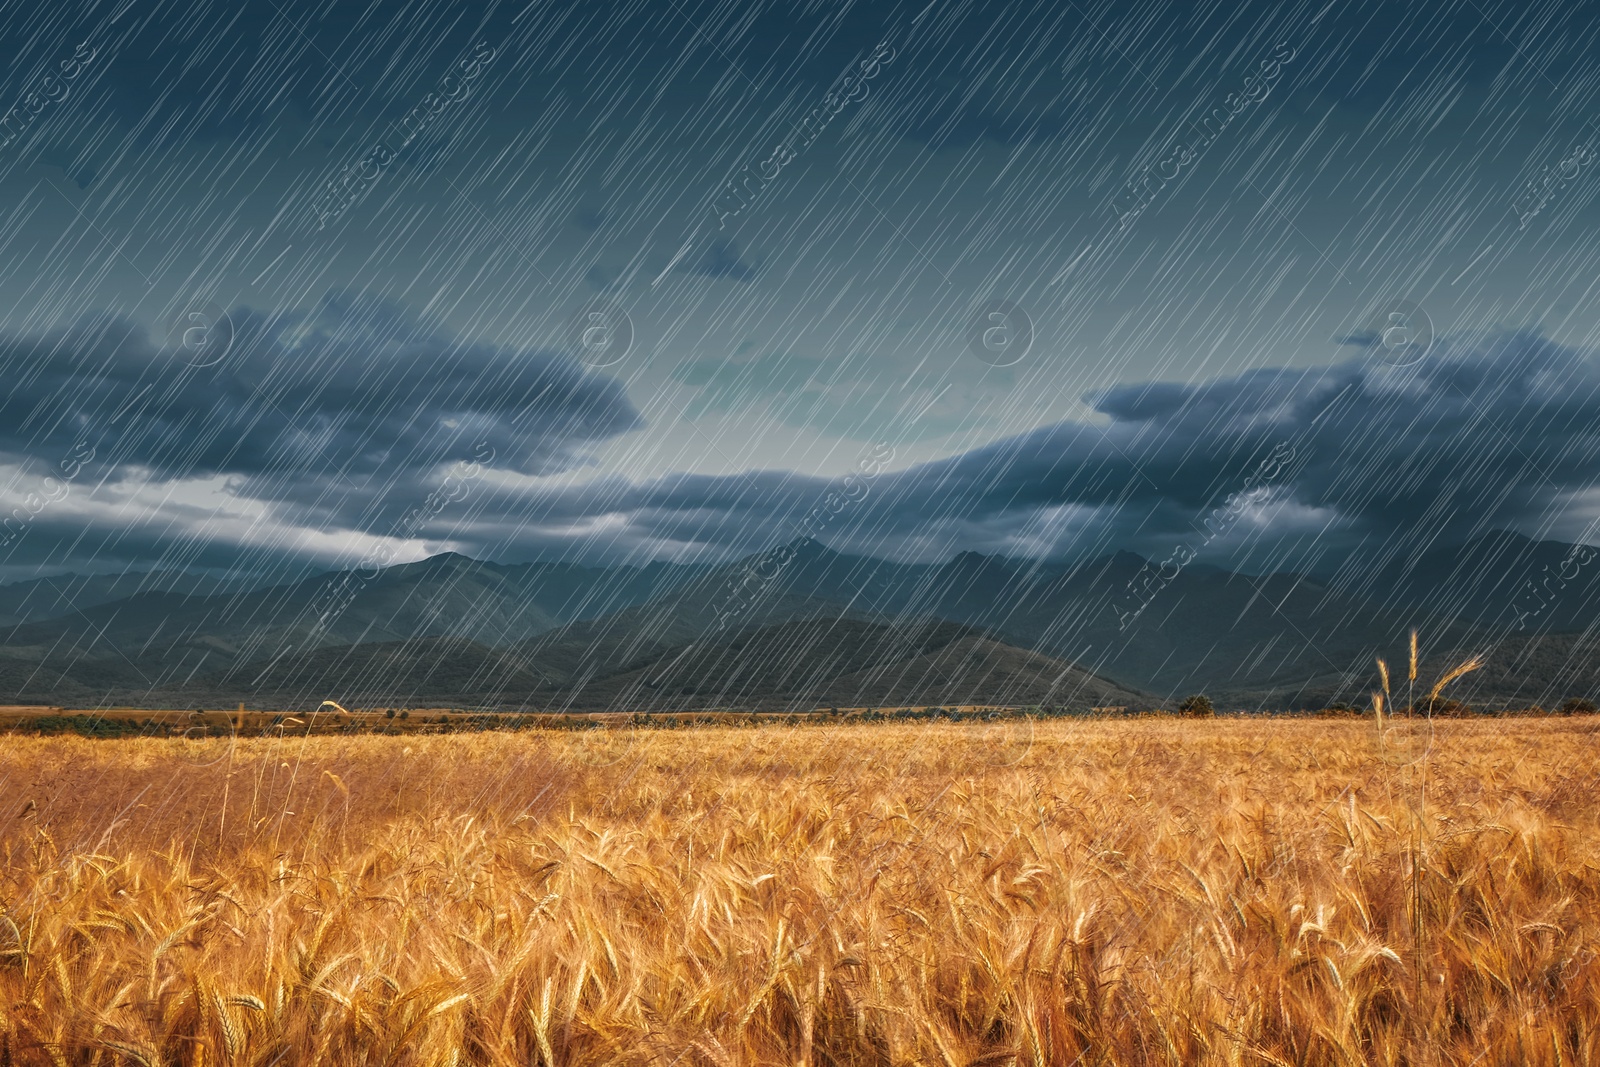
{"points": [[1417, 858]]}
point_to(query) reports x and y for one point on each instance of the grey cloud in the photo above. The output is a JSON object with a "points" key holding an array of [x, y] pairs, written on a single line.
{"points": [[356, 385], [1496, 434], [1476, 437]]}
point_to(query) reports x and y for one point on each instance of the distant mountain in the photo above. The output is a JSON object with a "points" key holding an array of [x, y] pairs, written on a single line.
{"points": [[1520, 671], [1506, 582], [804, 623], [1200, 628], [48, 598], [1280, 640], [164, 642]]}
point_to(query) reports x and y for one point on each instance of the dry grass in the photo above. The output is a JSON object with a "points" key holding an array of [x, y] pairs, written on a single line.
{"points": [[1151, 892]]}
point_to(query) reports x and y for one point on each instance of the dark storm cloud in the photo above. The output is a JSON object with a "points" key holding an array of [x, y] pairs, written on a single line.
{"points": [[1500, 432], [1477, 433], [357, 388], [1497, 433]]}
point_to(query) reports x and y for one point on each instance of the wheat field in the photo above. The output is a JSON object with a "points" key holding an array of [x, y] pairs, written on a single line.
{"points": [[1122, 892]]}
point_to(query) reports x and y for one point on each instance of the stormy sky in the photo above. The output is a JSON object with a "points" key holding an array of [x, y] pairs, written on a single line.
{"points": [[629, 281]]}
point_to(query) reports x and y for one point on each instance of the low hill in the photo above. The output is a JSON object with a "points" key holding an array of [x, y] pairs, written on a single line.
{"points": [[795, 665], [852, 663]]}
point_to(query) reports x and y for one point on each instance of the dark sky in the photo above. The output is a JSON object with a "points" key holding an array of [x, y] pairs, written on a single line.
{"points": [[630, 281]]}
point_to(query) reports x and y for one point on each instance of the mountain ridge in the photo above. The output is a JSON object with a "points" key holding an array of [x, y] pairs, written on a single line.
{"points": [[1278, 639]]}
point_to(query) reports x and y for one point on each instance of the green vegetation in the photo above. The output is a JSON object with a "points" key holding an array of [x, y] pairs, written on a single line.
{"points": [[86, 726]]}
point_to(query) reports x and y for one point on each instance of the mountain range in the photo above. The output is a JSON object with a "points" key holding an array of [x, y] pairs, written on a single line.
{"points": [[805, 627]]}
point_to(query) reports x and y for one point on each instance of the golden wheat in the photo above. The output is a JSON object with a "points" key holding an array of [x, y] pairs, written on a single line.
{"points": [[1151, 892]]}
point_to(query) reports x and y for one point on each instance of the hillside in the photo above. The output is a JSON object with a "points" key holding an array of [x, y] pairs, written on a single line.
{"points": [[593, 635], [795, 665]]}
